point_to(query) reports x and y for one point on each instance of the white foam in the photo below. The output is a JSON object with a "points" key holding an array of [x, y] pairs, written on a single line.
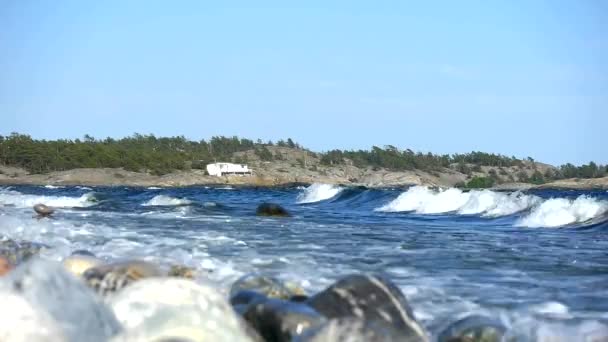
{"points": [[423, 200], [319, 192], [49, 186], [11, 197], [153, 188], [163, 200], [557, 212]]}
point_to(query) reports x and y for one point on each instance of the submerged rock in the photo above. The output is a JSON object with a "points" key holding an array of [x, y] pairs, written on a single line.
{"points": [[47, 297], [163, 308], [268, 286], [112, 277], [371, 298], [17, 252], [78, 264], [43, 210], [182, 272], [83, 252], [473, 329], [352, 330], [280, 321], [271, 209]]}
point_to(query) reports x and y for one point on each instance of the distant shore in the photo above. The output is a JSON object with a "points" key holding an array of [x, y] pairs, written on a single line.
{"points": [[268, 178]]}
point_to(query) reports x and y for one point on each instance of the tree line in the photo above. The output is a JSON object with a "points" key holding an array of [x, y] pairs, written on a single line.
{"points": [[161, 155]]}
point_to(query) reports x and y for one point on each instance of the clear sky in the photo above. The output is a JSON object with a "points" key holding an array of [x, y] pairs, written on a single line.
{"points": [[523, 78]]}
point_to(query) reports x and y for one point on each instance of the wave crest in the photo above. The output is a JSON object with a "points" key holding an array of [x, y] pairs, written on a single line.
{"points": [[163, 200], [557, 212], [319, 192], [11, 197], [422, 200]]}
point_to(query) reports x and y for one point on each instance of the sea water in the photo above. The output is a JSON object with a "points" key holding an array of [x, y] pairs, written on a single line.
{"points": [[535, 260]]}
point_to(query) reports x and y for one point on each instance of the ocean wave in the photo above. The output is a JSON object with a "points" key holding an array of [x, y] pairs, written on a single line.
{"points": [[423, 200], [11, 197], [163, 200], [49, 186], [558, 212], [319, 192]]}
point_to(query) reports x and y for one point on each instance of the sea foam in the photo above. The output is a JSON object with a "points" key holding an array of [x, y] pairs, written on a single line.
{"points": [[319, 192], [11, 197], [557, 212], [423, 200], [163, 200]]}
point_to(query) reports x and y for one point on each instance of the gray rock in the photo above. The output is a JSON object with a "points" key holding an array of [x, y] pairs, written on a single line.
{"points": [[271, 209], [473, 329], [43, 210], [112, 277], [352, 330], [60, 302], [371, 298], [268, 286], [17, 252], [279, 321], [161, 308]]}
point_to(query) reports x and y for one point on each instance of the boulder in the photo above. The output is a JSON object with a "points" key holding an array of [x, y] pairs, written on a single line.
{"points": [[17, 252], [162, 308], [352, 330], [182, 272], [62, 306], [371, 298], [280, 321], [112, 277], [43, 210], [78, 264], [271, 209], [268, 286], [473, 329], [5, 266], [83, 252]]}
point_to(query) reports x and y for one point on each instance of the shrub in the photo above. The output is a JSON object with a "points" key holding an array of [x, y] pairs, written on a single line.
{"points": [[480, 182]]}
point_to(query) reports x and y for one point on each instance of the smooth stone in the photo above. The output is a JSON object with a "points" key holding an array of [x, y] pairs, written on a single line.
{"points": [[268, 286], [112, 277], [271, 209], [352, 330], [79, 263], [474, 328], [55, 294], [157, 308], [371, 298], [43, 210], [280, 321], [182, 272], [17, 252]]}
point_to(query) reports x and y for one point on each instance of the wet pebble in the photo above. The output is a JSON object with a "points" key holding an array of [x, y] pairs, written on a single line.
{"points": [[112, 277]]}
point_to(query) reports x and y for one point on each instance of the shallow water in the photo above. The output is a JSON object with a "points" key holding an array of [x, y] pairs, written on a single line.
{"points": [[538, 260]]}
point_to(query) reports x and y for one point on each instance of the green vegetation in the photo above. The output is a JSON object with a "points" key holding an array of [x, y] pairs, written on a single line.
{"points": [[480, 182], [160, 155]]}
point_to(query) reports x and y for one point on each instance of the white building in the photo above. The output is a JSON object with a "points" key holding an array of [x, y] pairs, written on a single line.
{"points": [[221, 169]]}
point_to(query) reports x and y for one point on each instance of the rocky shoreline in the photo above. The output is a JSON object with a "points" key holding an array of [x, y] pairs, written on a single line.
{"points": [[271, 177]]}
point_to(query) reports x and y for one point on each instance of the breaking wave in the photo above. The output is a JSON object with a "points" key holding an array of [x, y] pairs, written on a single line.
{"points": [[319, 192], [422, 200], [15, 198], [558, 212], [163, 200]]}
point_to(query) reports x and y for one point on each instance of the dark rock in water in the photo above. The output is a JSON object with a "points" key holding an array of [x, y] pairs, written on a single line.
{"points": [[352, 330], [182, 272], [370, 298], [83, 252], [473, 329], [242, 300], [268, 286], [56, 301], [278, 321], [113, 277], [17, 252], [161, 308], [271, 209], [43, 210], [298, 298]]}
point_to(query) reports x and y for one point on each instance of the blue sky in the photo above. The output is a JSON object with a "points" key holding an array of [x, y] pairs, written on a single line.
{"points": [[524, 78]]}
